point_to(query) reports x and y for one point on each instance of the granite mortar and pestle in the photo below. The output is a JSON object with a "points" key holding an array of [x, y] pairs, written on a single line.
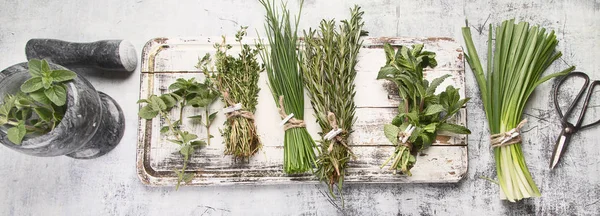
{"points": [[94, 123]]}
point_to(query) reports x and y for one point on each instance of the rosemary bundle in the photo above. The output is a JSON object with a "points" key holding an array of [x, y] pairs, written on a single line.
{"points": [[237, 80], [514, 70], [285, 81], [328, 60], [422, 113]]}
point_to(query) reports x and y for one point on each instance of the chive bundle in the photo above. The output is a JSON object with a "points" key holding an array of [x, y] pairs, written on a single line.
{"points": [[328, 60], [514, 70], [285, 81]]}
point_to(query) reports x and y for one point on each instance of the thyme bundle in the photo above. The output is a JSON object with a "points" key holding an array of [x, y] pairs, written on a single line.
{"points": [[514, 70], [328, 60], [422, 113], [237, 80], [285, 81]]}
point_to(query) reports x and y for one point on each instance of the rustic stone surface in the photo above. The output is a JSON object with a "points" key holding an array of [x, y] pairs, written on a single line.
{"points": [[109, 185]]}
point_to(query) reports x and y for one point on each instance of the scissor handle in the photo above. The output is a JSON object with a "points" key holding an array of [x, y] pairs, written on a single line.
{"points": [[585, 106], [564, 117]]}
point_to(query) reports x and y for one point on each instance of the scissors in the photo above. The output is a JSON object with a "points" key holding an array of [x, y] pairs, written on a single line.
{"points": [[569, 129]]}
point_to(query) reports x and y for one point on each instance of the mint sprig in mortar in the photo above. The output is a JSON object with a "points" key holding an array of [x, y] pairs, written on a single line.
{"points": [[40, 104], [422, 114]]}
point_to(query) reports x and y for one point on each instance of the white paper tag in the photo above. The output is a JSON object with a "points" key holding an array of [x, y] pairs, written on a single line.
{"points": [[286, 119], [233, 108], [332, 134]]}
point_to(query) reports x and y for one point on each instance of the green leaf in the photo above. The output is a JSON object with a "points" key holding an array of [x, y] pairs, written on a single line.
{"points": [[45, 67], [44, 113], [391, 132], [435, 83], [46, 82], [168, 100], [413, 116], [212, 117], [164, 129], [196, 117], [57, 94], [147, 112], [16, 134], [188, 177], [198, 143], [35, 67], [62, 75], [3, 119], [32, 85], [40, 97], [142, 101], [434, 109], [157, 104], [453, 128], [187, 137], [387, 72], [430, 127], [186, 150], [175, 141]]}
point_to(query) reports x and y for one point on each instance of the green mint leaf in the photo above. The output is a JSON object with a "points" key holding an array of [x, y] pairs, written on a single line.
{"points": [[157, 104], [391, 132], [142, 101], [3, 119], [198, 143], [186, 150], [45, 69], [434, 109], [35, 67], [387, 72], [32, 85], [430, 127], [62, 75], [147, 112], [164, 129], [435, 83], [16, 134], [212, 117], [175, 141], [40, 97], [57, 94], [196, 117], [453, 128], [187, 137], [188, 177], [44, 113], [168, 100], [46, 82]]}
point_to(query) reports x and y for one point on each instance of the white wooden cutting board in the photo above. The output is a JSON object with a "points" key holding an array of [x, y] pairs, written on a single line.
{"points": [[166, 59]]}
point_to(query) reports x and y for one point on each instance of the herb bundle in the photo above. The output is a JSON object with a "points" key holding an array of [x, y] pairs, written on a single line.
{"points": [[422, 113], [44, 94], [237, 80], [514, 70], [328, 60], [285, 81], [183, 93]]}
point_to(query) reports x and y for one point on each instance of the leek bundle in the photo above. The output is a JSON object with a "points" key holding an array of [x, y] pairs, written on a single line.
{"points": [[329, 56], [514, 68], [285, 81]]}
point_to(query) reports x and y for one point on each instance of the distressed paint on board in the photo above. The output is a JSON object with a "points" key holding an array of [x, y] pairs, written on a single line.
{"points": [[165, 60]]}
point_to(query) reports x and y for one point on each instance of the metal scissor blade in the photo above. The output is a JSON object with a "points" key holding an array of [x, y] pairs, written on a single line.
{"points": [[559, 148]]}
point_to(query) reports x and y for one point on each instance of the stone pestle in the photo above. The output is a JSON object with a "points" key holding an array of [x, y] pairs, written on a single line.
{"points": [[112, 55]]}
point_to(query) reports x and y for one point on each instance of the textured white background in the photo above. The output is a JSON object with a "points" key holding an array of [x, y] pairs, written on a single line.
{"points": [[109, 185]]}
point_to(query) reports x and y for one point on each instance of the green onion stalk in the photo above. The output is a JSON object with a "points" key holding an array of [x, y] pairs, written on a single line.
{"points": [[286, 84], [329, 57], [514, 69]]}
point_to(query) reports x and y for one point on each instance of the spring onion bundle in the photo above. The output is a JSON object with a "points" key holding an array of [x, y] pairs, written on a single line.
{"points": [[285, 81], [328, 60], [514, 70]]}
